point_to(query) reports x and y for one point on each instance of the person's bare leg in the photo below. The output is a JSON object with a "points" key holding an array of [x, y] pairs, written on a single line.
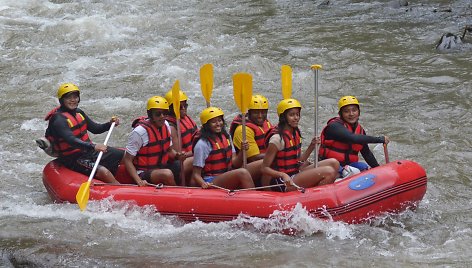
{"points": [[105, 175]]}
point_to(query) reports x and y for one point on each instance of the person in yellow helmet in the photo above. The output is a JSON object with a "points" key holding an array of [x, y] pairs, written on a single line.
{"points": [[150, 148], [344, 138], [257, 125], [214, 157], [67, 134], [188, 128], [284, 163]]}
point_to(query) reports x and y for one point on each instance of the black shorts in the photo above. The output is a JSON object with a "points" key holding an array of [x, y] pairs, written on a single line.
{"points": [[173, 166], [279, 188], [83, 163]]}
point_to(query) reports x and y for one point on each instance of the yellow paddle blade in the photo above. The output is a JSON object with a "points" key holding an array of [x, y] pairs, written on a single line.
{"points": [[286, 75], [242, 87], [82, 196], [206, 81], [176, 98]]}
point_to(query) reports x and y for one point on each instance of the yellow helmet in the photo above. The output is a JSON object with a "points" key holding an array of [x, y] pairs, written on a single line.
{"points": [[66, 88], [182, 96], [210, 113], [157, 102], [347, 100], [287, 104], [258, 102]]}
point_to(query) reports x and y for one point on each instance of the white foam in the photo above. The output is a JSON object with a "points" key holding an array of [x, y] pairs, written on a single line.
{"points": [[34, 124], [145, 221], [439, 79]]}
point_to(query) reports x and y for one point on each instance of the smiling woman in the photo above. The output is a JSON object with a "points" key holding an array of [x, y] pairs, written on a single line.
{"points": [[283, 161], [215, 157]]}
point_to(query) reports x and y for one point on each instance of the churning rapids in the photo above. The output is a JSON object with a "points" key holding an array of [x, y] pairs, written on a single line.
{"points": [[122, 52]]}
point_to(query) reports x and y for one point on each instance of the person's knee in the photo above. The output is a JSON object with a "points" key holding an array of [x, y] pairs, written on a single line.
{"points": [[103, 171], [245, 178], [334, 172], [168, 177], [243, 173], [105, 175], [333, 163], [164, 176]]}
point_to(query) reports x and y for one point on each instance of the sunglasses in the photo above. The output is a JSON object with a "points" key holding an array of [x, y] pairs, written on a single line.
{"points": [[159, 113], [184, 106]]}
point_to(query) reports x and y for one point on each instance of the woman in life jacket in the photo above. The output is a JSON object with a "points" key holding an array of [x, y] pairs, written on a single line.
{"points": [[343, 137], [150, 147], [214, 156], [284, 162], [67, 133], [188, 128]]}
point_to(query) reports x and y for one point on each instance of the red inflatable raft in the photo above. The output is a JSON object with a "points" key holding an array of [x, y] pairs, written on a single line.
{"points": [[393, 187]]}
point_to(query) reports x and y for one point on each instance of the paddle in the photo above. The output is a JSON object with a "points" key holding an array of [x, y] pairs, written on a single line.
{"points": [[242, 87], [386, 154], [176, 104], [206, 82], [82, 196], [286, 74], [316, 69]]}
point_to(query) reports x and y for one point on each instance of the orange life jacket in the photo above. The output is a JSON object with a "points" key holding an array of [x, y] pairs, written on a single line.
{"points": [[220, 158], [154, 154], [345, 153], [77, 124], [259, 132], [187, 129], [287, 160]]}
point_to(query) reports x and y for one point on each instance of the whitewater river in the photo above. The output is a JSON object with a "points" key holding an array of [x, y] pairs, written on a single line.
{"points": [[122, 52]]}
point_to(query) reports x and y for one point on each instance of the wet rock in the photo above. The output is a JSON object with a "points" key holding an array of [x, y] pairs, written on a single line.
{"points": [[324, 3], [449, 41], [443, 10]]}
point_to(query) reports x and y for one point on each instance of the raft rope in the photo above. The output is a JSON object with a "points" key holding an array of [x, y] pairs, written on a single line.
{"points": [[161, 186]]}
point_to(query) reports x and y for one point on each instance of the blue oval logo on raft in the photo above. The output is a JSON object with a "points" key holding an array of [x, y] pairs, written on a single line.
{"points": [[362, 183]]}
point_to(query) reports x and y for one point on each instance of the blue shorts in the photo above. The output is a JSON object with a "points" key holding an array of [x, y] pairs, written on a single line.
{"points": [[209, 179], [359, 165]]}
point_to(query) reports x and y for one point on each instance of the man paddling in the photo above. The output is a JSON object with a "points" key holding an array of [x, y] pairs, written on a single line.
{"points": [[67, 137]]}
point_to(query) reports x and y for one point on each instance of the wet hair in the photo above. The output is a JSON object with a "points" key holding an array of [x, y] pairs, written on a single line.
{"points": [[206, 132]]}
